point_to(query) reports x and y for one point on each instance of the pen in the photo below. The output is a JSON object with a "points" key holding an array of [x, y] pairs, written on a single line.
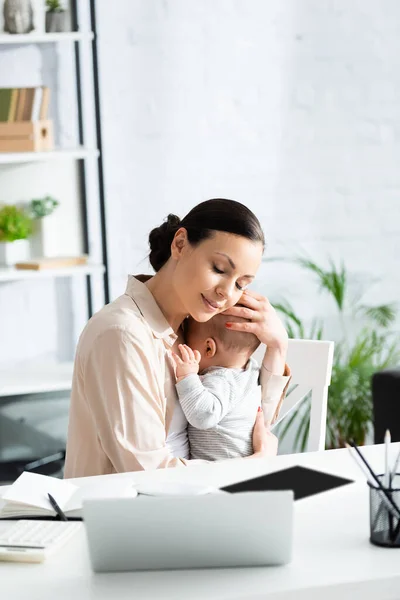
{"points": [[393, 473], [384, 499], [387, 440], [375, 478], [57, 508]]}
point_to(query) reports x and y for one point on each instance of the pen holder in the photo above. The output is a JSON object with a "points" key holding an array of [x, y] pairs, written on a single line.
{"points": [[384, 522]]}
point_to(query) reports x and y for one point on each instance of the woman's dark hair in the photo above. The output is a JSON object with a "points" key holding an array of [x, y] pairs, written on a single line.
{"points": [[218, 214]]}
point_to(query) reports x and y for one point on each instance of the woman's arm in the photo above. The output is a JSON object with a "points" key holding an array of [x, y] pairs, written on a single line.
{"points": [[264, 322], [126, 402]]}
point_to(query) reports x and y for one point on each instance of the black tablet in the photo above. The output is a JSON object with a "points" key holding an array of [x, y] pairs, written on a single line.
{"points": [[302, 480]]}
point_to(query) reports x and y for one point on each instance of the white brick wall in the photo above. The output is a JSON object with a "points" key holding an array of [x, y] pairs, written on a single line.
{"points": [[290, 107]]}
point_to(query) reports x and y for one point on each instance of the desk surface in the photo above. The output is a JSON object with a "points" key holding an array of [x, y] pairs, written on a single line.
{"points": [[332, 556]]}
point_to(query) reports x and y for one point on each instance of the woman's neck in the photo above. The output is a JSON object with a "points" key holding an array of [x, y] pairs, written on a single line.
{"points": [[167, 298]]}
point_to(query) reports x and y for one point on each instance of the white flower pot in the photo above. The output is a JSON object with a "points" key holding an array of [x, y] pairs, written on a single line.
{"points": [[57, 22], [13, 252], [44, 240], [39, 16]]}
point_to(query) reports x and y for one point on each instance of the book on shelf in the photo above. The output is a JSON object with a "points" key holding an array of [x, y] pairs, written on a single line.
{"points": [[24, 104], [58, 262], [28, 495]]}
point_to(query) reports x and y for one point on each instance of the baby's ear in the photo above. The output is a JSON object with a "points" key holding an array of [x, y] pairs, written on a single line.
{"points": [[211, 347]]}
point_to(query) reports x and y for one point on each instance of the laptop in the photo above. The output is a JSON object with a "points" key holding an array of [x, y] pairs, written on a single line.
{"points": [[184, 532]]}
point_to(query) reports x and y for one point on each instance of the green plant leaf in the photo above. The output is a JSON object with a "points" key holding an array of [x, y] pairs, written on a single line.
{"points": [[383, 315], [333, 280], [301, 437], [43, 207], [15, 224], [374, 347]]}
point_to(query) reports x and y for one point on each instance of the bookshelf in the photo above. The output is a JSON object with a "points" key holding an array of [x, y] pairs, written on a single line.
{"points": [[44, 38], [12, 274], [79, 153], [56, 374]]}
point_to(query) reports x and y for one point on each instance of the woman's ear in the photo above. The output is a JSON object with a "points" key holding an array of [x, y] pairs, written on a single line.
{"points": [[211, 347], [179, 243]]}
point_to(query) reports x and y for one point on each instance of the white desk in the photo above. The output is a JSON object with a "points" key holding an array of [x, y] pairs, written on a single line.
{"points": [[332, 558]]}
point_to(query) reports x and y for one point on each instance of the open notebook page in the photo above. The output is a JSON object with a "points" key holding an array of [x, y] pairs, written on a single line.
{"points": [[28, 495]]}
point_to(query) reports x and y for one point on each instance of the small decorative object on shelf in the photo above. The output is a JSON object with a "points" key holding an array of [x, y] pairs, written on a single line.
{"points": [[57, 17], [44, 232], [43, 207], [18, 16], [24, 126], [39, 16], [15, 228]]}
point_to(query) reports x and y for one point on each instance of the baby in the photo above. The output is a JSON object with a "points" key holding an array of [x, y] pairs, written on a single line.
{"points": [[221, 403]]}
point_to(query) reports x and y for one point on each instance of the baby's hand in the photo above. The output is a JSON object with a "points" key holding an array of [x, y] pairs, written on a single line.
{"points": [[187, 363]]}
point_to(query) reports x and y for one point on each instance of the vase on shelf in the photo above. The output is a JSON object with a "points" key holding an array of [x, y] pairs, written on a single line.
{"points": [[43, 241], [13, 252], [39, 16], [57, 21], [18, 16]]}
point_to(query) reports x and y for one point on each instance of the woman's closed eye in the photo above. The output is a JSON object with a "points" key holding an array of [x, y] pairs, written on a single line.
{"points": [[220, 272]]}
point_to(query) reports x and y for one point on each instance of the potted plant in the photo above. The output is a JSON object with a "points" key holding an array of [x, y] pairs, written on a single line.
{"points": [[44, 229], [57, 17], [15, 228], [365, 344]]}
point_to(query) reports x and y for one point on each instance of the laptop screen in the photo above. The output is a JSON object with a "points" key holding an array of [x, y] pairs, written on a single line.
{"points": [[302, 480]]}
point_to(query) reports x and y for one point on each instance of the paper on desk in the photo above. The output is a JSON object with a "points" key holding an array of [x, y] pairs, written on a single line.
{"points": [[33, 489], [28, 494], [118, 488]]}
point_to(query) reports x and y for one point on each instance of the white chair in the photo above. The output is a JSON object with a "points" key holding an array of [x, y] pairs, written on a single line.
{"points": [[311, 365]]}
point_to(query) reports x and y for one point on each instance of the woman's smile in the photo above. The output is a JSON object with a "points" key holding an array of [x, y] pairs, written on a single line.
{"points": [[210, 305]]}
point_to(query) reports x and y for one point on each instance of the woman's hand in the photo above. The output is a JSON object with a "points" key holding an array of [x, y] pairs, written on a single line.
{"points": [[265, 443], [263, 320]]}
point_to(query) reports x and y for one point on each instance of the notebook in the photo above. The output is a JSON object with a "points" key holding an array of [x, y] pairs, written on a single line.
{"points": [[28, 495]]}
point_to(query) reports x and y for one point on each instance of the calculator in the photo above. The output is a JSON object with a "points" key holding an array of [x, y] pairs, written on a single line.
{"points": [[33, 541]]}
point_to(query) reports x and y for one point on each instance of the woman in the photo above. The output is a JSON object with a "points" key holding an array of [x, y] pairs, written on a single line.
{"points": [[124, 413]]}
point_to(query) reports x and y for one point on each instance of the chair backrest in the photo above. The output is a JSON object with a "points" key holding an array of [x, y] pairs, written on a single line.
{"points": [[311, 364]]}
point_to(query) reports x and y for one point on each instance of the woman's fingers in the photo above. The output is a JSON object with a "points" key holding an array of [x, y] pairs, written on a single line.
{"points": [[251, 301], [251, 294], [264, 442], [241, 311], [245, 326]]}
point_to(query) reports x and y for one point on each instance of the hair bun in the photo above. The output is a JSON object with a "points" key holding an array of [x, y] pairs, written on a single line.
{"points": [[172, 222], [160, 240]]}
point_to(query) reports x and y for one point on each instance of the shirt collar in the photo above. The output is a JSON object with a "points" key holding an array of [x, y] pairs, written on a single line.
{"points": [[149, 308]]}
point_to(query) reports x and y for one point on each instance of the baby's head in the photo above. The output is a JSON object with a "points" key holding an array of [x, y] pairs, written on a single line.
{"points": [[218, 345]]}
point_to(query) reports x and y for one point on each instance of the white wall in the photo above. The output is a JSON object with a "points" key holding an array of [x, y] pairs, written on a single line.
{"points": [[292, 107]]}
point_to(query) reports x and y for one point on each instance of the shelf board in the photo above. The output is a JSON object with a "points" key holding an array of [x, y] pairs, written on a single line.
{"points": [[34, 378], [12, 274], [8, 158], [43, 38]]}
